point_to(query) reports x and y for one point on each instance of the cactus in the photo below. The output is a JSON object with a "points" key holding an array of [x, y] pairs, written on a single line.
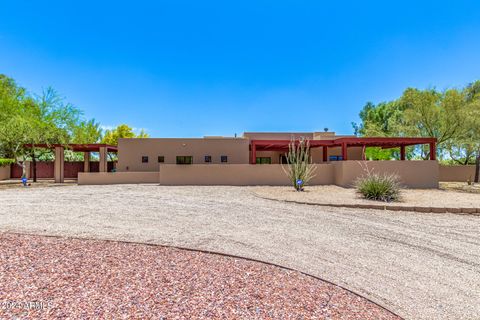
{"points": [[299, 167]]}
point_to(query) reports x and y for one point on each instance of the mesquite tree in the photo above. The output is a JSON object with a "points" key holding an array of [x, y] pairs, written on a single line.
{"points": [[299, 167]]}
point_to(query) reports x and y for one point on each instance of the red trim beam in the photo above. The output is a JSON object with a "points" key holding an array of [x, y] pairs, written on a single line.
{"points": [[91, 147]]}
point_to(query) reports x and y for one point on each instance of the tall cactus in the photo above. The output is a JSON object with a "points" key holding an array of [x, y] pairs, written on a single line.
{"points": [[299, 168]]}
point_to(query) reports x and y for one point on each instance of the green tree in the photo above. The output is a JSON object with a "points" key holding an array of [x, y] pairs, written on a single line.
{"points": [[470, 137], [122, 131], [26, 120], [54, 120], [417, 113], [86, 132]]}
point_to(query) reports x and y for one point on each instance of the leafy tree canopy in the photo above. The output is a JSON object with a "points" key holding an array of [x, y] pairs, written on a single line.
{"points": [[122, 131], [452, 116]]}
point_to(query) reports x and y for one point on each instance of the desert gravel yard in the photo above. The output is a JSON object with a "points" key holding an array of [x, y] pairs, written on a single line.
{"points": [[338, 195], [419, 265], [92, 279]]}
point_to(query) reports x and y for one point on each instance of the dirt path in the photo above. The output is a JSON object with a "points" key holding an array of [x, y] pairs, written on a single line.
{"points": [[421, 266]]}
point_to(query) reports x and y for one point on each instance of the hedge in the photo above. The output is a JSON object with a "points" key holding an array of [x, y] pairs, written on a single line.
{"points": [[6, 162]]}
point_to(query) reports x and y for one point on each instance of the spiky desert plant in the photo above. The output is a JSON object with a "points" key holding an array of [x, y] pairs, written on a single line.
{"points": [[380, 187], [299, 168]]}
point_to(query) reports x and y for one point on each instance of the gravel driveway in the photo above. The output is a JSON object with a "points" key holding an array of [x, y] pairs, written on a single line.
{"points": [[421, 266]]}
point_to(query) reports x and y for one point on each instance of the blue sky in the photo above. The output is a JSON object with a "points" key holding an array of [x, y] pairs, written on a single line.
{"points": [[194, 68]]}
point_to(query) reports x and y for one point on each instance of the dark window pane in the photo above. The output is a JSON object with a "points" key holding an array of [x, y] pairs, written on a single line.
{"points": [[224, 158], [208, 158], [144, 159], [263, 160], [184, 159], [335, 158], [161, 159]]}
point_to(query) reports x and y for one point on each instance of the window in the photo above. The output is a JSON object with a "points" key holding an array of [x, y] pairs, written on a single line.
{"points": [[144, 159], [264, 160], [335, 158], [208, 158], [161, 159], [184, 159], [224, 159]]}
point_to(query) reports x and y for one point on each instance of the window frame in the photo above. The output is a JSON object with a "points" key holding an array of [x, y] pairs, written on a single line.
{"points": [[183, 158], [144, 159], [258, 160], [161, 159], [223, 159]]}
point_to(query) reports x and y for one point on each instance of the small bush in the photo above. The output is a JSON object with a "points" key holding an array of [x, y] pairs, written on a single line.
{"points": [[6, 162], [380, 187]]}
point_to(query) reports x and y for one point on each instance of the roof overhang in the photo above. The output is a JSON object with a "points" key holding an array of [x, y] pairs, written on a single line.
{"points": [[383, 142], [90, 147]]}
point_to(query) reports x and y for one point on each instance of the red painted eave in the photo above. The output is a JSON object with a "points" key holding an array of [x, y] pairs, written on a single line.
{"points": [[384, 142], [91, 147]]}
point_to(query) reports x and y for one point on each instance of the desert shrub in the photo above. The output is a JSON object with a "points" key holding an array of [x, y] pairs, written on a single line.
{"points": [[6, 162], [299, 168], [380, 187]]}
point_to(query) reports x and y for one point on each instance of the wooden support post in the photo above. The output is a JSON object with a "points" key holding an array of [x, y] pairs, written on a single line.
{"points": [[402, 152], [344, 151], [59, 165], [325, 154], [253, 153], [86, 161], [103, 159], [433, 151]]}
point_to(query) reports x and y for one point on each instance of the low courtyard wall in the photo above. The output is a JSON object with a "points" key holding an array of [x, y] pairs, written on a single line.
{"points": [[413, 174], [236, 175], [457, 173], [4, 172], [117, 177]]}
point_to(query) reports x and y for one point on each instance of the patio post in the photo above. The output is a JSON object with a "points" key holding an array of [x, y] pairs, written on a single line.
{"points": [[402, 152], [433, 151], [253, 160], [325, 153], [344, 151], [103, 159], [363, 152], [86, 161], [59, 164]]}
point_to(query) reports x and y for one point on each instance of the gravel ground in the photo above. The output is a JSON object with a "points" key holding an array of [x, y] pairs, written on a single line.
{"points": [[83, 279], [409, 197], [419, 265]]}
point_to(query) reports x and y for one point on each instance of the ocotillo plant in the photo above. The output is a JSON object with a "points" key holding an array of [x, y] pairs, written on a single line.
{"points": [[299, 168]]}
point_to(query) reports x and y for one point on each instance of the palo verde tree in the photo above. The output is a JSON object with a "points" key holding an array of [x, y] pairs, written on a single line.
{"points": [[122, 131], [26, 120]]}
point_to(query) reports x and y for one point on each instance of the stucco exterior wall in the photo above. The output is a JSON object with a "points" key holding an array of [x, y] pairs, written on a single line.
{"points": [[457, 173], [236, 175], [130, 151], [412, 174], [117, 177], [4, 172]]}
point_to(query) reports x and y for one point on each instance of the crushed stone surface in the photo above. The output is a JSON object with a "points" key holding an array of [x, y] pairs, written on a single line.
{"points": [[436, 198], [418, 265], [56, 278]]}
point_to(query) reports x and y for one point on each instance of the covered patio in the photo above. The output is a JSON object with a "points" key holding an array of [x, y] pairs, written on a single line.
{"points": [[87, 149], [344, 144]]}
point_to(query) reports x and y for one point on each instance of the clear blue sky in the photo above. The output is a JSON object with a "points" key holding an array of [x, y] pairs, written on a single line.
{"points": [[193, 68]]}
